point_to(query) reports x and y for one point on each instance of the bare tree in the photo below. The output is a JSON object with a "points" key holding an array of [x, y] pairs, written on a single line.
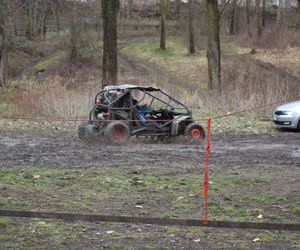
{"points": [[2, 43], [4, 39], [110, 10], [258, 19], [234, 18], [213, 45], [280, 14], [263, 14], [178, 8], [280, 21], [298, 23], [248, 18], [192, 47], [35, 15], [163, 8], [74, 32], [56, 6], [130, 5]]}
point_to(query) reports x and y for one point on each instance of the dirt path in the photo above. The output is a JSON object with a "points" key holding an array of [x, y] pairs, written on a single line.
{"points": [[22, 149]]}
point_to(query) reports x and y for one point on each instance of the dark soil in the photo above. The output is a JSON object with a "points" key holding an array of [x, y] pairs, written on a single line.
{"points": [[228, 152]]}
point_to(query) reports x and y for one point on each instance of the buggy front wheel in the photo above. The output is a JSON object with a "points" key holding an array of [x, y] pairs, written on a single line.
{"points": [[194, 132]]}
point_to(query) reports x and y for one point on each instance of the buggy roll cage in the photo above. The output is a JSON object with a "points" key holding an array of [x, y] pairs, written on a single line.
{"points": [[127, 90]]}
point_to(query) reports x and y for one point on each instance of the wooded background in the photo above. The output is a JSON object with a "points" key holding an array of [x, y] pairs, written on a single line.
{"points": [[27, 27]]}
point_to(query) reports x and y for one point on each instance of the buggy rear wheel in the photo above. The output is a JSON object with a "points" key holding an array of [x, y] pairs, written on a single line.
{"points": [[87, 131], [117, 133], [194, 132]]}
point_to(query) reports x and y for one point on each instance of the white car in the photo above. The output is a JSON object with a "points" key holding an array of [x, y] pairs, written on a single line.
{"points": [[288, 115]]}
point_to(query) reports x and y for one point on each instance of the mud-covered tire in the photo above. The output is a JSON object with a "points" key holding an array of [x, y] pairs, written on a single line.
{"points": [[194, 132], [117, 133]]}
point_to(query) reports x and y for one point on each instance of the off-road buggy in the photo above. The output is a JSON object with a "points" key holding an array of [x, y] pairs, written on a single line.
{"points": [[128, 110]]}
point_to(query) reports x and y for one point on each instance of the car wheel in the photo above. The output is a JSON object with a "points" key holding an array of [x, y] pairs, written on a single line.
{"points": [[117, 133], [194, 132], [298, 127]]}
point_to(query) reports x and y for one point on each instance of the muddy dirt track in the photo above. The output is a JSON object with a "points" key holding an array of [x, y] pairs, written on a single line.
{"points": [[239, 152]]}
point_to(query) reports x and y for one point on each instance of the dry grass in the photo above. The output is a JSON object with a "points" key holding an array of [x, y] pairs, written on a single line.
{"points": [[244, 82], [287, 59], [173, 61], [70, 88], [53, 98]]}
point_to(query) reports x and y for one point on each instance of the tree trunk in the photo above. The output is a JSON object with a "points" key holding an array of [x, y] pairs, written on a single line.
{"points": [[280, 11], [2, 45], [45, 27], [178, 8], [28, 27], [248, 17], [130, 5], [163, 30], [233, 19], [280, 21], [258, 19], [192, 48], [3, 64], [213, 45], [298, 24], [110, 10], [74, 34], [263, 14], [56, 6]]}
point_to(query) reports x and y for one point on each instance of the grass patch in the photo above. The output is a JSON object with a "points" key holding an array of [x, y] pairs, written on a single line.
{"points": [[265, 198], [287, 59], [297, 210], [99, 190], [128, 193], [172, 61], [4, 223], [50, 62], [191, 70], [27, 233], [172, 230]]}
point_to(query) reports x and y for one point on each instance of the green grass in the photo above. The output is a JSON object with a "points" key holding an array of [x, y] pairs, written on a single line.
{"points": [[265, 198], [191, 70], [297, 211], [71, 190], [175, 60], [4, 223], [121, 191], [117, 191], [50, 62], [172, 230], [27, 233]]}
